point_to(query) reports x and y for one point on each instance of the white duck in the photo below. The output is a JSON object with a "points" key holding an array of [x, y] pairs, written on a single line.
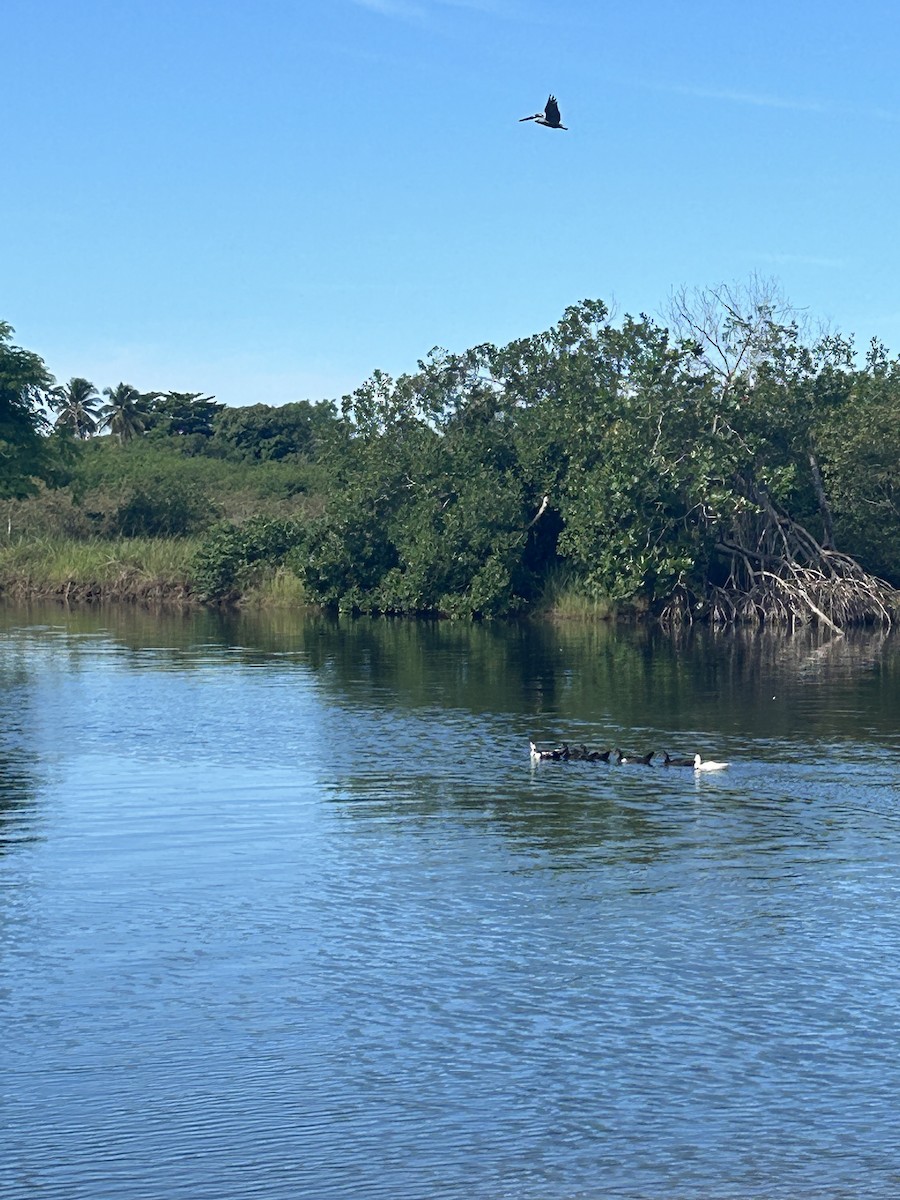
{"points": [[708, 765]]}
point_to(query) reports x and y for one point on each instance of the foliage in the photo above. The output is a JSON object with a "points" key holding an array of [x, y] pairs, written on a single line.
{"points": [[187, 415], [617, 450], [266, 433], [862, 464], [427, 514], [136, 490], [24, 455], [76, 404], [614, 424], [126, 411], [732, 465], [172, 510], [230, 555]]}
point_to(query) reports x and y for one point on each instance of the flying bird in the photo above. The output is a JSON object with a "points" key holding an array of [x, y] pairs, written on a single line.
{"points": [[549, 117]]}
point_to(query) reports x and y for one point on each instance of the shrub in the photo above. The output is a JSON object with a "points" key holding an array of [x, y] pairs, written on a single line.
{"points": [[231, 555], [170, 510]]}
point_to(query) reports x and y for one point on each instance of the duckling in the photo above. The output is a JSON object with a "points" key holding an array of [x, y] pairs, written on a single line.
{"points": [[599, 756], [538, 755], [643, 759], [708, 765], [669, 761]]}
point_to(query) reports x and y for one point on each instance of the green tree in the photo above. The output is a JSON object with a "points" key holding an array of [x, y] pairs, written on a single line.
{"points": [[774, 386], [427, 511], [24, 451], [616, 429], [778, 396], [76, 404], [861, 463], [679, 473], [269, 433], [125, 413], [183, 414]]}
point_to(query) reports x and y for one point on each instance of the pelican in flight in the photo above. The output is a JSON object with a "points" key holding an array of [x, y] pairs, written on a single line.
{"points": [[549, 117]]}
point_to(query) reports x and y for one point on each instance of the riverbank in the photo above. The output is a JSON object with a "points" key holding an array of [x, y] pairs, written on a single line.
{"points": [[159, 570], [125, 570], [136, 570], [162, 571]]}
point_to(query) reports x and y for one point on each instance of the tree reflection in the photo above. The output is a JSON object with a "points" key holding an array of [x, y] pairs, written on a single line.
{"points": [[578, 681], [428, 720], [17, 780], [17, 803]]}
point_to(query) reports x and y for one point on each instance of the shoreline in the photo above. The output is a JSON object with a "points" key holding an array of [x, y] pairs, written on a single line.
{"points": [[162, 572]]}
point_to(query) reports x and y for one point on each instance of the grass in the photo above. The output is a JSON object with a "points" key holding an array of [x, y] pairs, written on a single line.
{"points": [[124, 569], [564, 598], [278, 589], [573, 605], [139, 569]]}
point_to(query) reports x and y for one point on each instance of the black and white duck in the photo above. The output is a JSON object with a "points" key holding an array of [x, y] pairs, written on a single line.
{"points": [[643, 759], [669, 761]]}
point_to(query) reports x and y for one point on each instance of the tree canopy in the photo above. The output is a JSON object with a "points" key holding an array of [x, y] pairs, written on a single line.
{"points": [[77, 407], [728, 465], [24, 381], [125, 412], [702, 471]]}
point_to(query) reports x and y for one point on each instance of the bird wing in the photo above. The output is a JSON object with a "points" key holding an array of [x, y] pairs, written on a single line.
{"points": [[551, 112]]}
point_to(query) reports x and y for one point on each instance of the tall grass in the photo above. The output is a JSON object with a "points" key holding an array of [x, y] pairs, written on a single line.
{"points": [[280, 588], [97, 568], [564, 597], [129, 569]]}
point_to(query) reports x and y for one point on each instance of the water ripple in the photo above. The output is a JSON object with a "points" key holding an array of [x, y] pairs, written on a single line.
{"points": [[296, 917]]}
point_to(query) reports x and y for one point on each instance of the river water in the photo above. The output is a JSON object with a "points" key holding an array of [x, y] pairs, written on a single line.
{"points": [[286, 911]]}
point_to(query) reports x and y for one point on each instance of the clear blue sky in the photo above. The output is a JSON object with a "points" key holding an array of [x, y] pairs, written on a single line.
{"points": [[266, 200]]}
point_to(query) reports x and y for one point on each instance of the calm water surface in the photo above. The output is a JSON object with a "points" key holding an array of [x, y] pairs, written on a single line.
{"points": [[285, 911]]}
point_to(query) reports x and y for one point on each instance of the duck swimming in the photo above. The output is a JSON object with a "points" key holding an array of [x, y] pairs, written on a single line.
{"points": [[598, 756], [643, 759], [708, 765], [545, 755], [566, 753], [669, 761]]}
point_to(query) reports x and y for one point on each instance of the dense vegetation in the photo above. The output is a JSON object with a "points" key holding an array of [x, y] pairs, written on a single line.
{"points": [[727, 467]]}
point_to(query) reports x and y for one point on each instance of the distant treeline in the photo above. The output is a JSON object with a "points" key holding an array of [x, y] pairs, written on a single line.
{"points": [[728, 467]]}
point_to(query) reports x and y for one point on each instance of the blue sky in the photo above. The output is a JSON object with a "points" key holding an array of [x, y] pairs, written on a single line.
{"points": [[266, 201]]}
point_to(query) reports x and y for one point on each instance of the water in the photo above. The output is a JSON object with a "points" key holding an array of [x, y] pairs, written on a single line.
{"points": [[285, 911]]}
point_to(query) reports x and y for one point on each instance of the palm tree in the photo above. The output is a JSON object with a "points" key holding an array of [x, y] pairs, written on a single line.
{"points": [[76, 402], [126, 413]]}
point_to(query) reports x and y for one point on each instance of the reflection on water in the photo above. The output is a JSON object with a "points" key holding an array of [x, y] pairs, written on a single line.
{"points": [[286, 911], [17, 766], [17, 820]]}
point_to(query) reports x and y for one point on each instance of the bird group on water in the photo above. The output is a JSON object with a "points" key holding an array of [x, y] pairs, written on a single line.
{"points": [[566, 753]]}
